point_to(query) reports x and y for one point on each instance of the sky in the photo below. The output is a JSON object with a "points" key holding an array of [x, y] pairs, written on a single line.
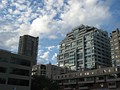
{"points": [[51, 20]]}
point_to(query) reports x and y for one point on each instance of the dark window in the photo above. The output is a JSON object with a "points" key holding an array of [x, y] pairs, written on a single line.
{"points": [[19, 71], [2, 70], [2, 80], [89, 78], [20, 82], [20, 61], [3, 59], [101, 78], [81, 79], [112, 83]]}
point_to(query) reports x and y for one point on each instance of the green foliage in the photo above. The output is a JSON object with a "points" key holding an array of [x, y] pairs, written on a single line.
{"points": [[43, 83]]}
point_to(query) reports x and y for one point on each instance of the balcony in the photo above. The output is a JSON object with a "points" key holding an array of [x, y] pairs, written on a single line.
{"points": [[81, 80], [100, 79], [59, 83], [112, 85], [90, 80], [83, 88], [68, 82], [111, 78]]}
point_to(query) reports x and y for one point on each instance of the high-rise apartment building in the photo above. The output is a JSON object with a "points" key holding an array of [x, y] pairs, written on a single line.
{"points": [[28, 46], [85, 47], [115, 47]]}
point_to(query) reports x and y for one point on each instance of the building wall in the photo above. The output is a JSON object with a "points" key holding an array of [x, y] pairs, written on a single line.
{"points": [[28, 46], [85, 47], [47, 70], [15, 71], [115, 47], [98, 79]]}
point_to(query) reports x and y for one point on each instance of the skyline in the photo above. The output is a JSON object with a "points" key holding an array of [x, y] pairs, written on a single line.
{"points": [[51, 20]]}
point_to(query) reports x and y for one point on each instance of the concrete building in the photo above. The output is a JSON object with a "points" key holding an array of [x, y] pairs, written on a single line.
{"points": [[85, 47], [15, 71], [115, 47], [47, 70], [28, 46], [98, 79]]}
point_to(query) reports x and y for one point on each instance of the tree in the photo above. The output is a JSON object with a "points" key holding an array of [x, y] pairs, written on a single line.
{"points": [[43, 83]]}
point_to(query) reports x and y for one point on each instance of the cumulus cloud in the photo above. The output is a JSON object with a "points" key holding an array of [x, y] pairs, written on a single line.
{"points": [[45, 55], [54, 57], [52, 37], [50, 19], [41, 61], [90, 12], [50, 47]]}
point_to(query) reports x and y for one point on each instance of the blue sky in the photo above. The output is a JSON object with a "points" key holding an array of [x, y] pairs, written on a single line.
{"points": [[51, 20]]}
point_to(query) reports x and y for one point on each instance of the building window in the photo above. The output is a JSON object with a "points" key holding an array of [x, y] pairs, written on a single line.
{"points": [[79, 42], [116, 48], [92, 72], [104, 71], [3, 59], [100, 78], [87, 73], [67, 46], [71, 62], [112, 57], [88, 44], [66, 63], [89, 78], [109, 70], [19, 71], [88, 37], [3, 70], [20, 61], [2, 80], [115, 39], [80, 56], [61, 63], [80, 74], [112, 83], [73, 44], [66, 55], [116, 69], [81, 79], [19, 82], [73, 68], [62, 45]]}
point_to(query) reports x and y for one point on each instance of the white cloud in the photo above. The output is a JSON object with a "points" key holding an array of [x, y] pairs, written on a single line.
{"points": [[50, 47], [52, 37], [38, 27], [41, 61], [76, 13], [58, 46], [54, 57], [45, 55], [39, 21]]}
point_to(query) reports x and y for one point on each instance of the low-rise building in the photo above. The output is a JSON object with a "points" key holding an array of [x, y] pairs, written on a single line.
{"points": [[15, 71], [47, 70], [98, 79]]}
